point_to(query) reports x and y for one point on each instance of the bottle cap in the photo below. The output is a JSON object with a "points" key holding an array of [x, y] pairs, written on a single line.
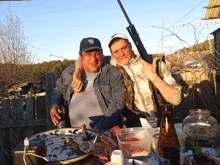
{"points": [[60, 111]]}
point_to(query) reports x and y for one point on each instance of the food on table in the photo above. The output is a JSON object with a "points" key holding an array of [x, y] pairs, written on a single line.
{"points": [[139, 152], [85, 134], [103, 148], [103, 159], [199, 159], [114, 129], [134, 142], [129, 139], [73, 145], [135, 152], [186, 160]]}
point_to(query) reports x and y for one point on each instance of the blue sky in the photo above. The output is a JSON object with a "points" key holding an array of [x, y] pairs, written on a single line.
{"points": [[56, 27]]}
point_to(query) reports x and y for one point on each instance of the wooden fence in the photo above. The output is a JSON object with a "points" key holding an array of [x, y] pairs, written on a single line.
{"points": [[15, 126]]}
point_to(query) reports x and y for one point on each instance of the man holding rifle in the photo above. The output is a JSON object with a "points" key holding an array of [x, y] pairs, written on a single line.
{"points": [[144, 84], [149, 83]]}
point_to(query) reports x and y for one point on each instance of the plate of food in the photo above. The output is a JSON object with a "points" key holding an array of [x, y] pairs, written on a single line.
{"points": [[131, 162], [67, 145]]}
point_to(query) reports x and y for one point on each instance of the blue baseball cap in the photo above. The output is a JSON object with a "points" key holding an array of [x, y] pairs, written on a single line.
{"points": [[90, 43]]}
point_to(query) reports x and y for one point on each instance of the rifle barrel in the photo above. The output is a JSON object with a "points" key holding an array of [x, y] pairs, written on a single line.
{"points": [[123, 10]]}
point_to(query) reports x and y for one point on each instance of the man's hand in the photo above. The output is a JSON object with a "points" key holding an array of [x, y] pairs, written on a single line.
{"points": [[77, 81], [149, 70], [55, 117]]}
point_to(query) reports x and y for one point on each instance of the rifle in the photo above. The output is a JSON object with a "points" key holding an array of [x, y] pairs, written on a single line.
{"points": [[135, 37]]}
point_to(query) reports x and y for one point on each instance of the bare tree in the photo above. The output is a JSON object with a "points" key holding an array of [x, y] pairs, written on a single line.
{"points": [[13, 51], [13, 47]]}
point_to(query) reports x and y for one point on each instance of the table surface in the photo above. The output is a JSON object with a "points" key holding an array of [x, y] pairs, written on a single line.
{"points": [[152, 159]]}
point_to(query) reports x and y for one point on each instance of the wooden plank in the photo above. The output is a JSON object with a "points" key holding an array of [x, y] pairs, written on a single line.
{"points": [[24, 123], [50, 85], [17, 109], [41, 107], [30, 115], [5, 144], [30, 108], [17, 134], [40, 112], [5, 110]]}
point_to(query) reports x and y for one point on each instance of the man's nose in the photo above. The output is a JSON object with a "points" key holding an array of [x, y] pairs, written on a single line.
{"points": [[93, 57], [121, 53]]}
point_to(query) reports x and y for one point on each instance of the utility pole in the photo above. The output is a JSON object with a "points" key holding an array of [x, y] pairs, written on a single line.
{"points": [[171, 48]]}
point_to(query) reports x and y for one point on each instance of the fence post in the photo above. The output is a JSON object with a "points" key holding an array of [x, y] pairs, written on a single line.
{"points": [[30, 115], [50, 85], [5, 144], [17, 134]]}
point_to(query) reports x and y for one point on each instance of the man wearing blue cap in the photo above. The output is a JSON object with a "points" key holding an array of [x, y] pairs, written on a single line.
{"points": [[102, 99]]}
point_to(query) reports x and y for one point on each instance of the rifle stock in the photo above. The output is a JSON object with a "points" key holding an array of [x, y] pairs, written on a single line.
{"points": [[135, 37]]}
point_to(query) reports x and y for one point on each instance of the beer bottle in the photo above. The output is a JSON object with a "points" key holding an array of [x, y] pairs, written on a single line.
{"points": [[61, 123], [168, 144]]}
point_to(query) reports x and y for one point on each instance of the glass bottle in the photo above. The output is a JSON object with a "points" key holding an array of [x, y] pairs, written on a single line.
{"points": [[61, 123], [201, 129], [168, 144]]}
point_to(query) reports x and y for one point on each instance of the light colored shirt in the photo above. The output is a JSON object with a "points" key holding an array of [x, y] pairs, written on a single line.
{"points": [[142, 93], [84, 107]]}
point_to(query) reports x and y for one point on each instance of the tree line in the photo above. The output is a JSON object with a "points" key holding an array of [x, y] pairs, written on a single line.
{"points": [[14, 74]]}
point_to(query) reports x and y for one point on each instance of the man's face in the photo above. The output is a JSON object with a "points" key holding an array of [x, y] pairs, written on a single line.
{"points": [[122, 52], [92, 60]]}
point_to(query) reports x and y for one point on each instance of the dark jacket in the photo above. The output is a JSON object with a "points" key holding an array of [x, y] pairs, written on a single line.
{"points": [[109, 89]]}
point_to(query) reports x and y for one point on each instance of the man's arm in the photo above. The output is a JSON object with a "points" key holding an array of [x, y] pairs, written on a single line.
{"points": [[77, 83], [170, 91], [77, 76], [56, 98]]}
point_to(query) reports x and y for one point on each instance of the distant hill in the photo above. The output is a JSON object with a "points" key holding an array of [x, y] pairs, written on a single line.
{"points": [[192, 51]]}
